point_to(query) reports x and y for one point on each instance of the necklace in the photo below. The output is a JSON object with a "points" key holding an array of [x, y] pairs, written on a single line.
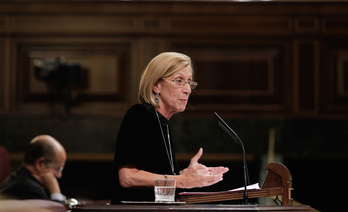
{"points": [[168, 148]]}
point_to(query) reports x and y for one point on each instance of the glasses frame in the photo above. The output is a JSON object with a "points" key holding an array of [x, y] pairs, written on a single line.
{"points": [[192, 84], [59, 169]]}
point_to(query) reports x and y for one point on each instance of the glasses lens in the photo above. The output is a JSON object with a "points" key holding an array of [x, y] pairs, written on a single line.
{"points": [[179, 83], [57, 168], [193, 85]]}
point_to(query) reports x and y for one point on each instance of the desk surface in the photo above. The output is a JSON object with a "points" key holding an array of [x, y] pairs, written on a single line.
{"points": [[190, 207]]}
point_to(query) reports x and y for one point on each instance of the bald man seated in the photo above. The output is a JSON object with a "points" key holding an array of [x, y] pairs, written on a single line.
{"points": [[43, 163]]}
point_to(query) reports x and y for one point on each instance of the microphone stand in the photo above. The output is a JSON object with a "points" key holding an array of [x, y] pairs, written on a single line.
{"points": [[235, 137]]}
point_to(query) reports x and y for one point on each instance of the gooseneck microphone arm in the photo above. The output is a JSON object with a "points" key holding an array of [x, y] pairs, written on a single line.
{"points": [[235, 137]]}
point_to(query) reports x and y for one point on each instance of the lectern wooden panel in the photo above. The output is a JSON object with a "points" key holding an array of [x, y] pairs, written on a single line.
{"points": [[278, 182]]}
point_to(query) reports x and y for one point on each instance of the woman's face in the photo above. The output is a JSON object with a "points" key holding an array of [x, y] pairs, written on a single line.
{"points": [[173, 99]]}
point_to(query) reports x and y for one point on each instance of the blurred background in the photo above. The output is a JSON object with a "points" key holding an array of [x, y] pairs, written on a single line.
{"points": [[71, 69]]}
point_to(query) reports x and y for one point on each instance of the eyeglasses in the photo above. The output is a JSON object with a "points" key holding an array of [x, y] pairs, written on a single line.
{"points": [[57, 168], [179, 83]]}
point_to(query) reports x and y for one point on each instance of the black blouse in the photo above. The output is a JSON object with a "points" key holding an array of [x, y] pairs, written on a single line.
{"points": [[140, 143]]}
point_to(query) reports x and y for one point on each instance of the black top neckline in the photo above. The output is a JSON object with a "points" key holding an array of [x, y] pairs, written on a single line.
{"points": [[164, 121]]}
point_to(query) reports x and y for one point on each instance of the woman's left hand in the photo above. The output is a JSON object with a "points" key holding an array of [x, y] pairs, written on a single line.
{"points": [[202, 169], [200, 175]]}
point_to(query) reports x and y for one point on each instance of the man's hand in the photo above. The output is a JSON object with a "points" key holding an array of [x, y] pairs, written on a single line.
{"points": [[50, 182]]}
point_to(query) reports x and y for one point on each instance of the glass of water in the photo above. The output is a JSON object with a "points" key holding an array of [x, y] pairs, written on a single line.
{"points": [[165, 190]]}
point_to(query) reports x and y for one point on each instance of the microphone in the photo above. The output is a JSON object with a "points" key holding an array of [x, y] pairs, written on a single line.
{"points": [[235, 137]]}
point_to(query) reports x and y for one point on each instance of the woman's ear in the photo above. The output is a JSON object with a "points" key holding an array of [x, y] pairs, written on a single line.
{"points": [[156, 88]]}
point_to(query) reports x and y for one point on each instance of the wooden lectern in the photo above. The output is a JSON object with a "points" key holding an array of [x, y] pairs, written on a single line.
{"points": [[278, 182]]}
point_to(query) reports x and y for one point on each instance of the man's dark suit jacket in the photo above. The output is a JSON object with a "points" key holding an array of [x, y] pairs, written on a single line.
{"points": [[22, 185]]}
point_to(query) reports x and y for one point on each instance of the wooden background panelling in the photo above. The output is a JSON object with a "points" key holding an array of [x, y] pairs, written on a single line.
{"points": [[105, 70], [272, 58], [239, 76]]}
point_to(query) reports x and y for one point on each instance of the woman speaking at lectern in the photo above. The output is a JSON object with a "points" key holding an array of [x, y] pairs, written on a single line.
{"points": [[144, 147]]}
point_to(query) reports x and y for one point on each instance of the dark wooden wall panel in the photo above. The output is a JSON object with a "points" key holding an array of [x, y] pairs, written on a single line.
{"points": [[333, 77], [232, 24], [239, 76], [335, 24], [2, 74], [306, 77], [104, 65], [253, 58]]}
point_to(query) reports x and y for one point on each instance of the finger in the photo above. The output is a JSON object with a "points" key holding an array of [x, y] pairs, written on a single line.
{"points": [[197, 156], [218, 170]]}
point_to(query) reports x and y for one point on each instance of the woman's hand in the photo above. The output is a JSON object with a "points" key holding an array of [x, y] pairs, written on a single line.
{"points": [[198, 175]]}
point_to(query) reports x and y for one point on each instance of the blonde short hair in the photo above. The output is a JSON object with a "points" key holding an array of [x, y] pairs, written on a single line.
{"points": [[162, 66]]}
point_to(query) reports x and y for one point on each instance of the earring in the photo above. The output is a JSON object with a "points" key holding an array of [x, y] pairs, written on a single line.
{"points": [[156, 97]]}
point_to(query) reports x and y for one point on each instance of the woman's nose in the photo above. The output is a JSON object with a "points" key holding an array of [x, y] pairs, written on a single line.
{"points": [[186, 88]]}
